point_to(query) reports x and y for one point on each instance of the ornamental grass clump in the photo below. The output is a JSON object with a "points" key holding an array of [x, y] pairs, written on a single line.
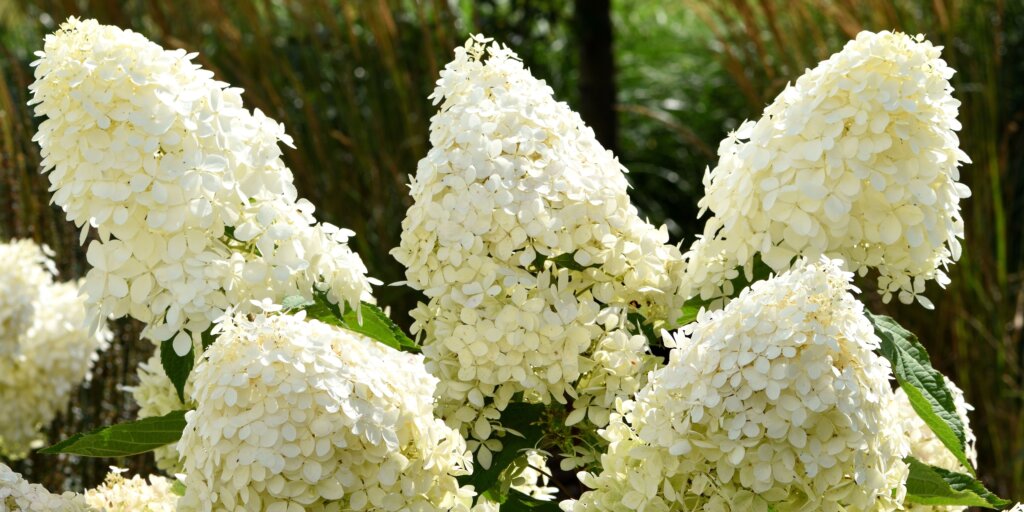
{"points": [[300, 415], [776, 402], [195, 210], [523, 238], [49, 349], [858, 159]]}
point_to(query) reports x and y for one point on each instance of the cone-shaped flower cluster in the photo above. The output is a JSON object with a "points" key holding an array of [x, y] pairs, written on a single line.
{"points": [[27, 267], [859, 160], [523, 238], [48, 351], [297, 415], [16, 494], [195, 210], [927, 448], [776, 401], [120, 494]]}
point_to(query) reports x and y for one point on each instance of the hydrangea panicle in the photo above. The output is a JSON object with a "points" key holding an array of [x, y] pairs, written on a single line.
{"points": [[16, 494], [135, 494], [778, 400], [523, 238], [51, 352], [194, 207], [299, 415], [858, 159]]}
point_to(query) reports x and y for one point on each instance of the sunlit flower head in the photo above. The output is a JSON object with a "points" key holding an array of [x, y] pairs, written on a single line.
{"points": [[194, 207], [523, 238], [296, 415], [778, 400], [858, 159]]}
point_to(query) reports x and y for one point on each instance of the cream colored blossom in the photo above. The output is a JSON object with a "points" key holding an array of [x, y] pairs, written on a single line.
{"points": [[523, 238], [18, 495], [297, 415], [927, 448], [51, 354], [778, 400], [157, 396], [27, 267], [195, 210], [120, 494], [858, 159]]}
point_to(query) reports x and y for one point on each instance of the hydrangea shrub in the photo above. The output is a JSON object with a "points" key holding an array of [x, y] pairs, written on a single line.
{"points": [[547, 298]]}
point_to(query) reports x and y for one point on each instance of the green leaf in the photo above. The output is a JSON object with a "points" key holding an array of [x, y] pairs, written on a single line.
{"points": [[208, 338], [124, 439], [378, 326], [691, 309], [522, 418], [930, 485], [568, 260], [517, 501], [178, 488], [925, 387], [640, 325], [324, 310], [296, 302], [177, 367]]}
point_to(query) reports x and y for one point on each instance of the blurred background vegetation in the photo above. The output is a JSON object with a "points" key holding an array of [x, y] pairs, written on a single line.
{"points": [[662, 82]]}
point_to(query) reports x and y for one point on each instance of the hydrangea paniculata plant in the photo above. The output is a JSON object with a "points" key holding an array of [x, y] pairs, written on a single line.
{"points": [[523, 238], [195, 210], [299, 415], [778, 400], [858, 159]]}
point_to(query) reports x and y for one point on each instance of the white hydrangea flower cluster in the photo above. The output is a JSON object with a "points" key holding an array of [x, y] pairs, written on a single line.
{"points": [[778, 400], [55, 350], [927, 448], [120, 494], [27, 268], [859, 160], [156, 396], [297, 415], [18, 495], [195, 210], [523, 238]]}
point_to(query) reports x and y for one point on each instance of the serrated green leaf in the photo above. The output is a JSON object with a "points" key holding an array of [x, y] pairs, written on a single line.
{"points": [[520, 502], [373, 324], [124, 439], [925, 386], [324, 310], [522, 418], [378, 326], [177, 367], [208, 338], [930, 485]]}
